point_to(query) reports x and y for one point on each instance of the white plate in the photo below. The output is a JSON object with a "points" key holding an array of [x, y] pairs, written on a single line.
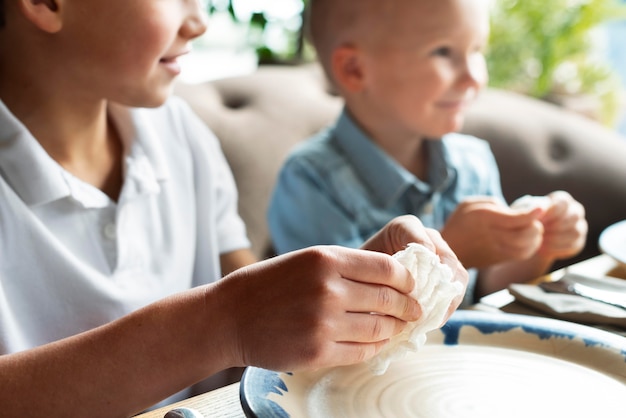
{"points": [[478, 365], [612, 241]]}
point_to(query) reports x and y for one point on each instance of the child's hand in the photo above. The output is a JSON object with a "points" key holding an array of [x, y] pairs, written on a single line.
{"points": [[403, 230], [313, 308], [483, 232], [565, 227], [406, 229]]}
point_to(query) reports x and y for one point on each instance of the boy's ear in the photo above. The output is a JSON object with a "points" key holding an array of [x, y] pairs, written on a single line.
{"points": [[44, 14], [347, 67]]}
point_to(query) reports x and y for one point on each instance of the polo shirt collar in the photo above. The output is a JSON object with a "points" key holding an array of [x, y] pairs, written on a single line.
{"points": [[140, 137], [385, 178], [146, 165], [38, 179], [25, 165]]}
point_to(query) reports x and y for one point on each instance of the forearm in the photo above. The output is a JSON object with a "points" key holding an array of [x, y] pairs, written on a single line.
{"points": [[118, 369]]}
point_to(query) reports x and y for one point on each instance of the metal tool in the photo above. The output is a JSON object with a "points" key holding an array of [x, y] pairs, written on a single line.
{"points": [[182, 412], [574, 284]]}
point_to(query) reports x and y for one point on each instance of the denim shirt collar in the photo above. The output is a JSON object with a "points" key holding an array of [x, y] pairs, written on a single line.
{"points": [[386, 179]]}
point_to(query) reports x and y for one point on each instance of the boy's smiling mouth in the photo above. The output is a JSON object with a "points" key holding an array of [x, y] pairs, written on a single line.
{"points": [[457, 103], [454, 104], [171, 63], [173, 57]]}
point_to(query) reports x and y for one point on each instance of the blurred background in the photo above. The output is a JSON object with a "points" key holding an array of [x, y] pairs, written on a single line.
{"points": [[569, 52]]}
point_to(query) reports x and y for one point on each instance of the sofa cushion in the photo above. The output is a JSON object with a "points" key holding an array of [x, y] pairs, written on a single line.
{"points": [[538, 146]]}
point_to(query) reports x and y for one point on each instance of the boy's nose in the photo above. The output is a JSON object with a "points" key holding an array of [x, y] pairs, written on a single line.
{"points": [[475, 72], [196, 21]]}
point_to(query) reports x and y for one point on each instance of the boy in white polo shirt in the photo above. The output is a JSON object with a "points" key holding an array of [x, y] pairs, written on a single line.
{"points": [[118, 216]]}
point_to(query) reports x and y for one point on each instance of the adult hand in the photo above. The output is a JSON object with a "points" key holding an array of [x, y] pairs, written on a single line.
{"points": [[311, 308], [483, 232], [565, 227]]}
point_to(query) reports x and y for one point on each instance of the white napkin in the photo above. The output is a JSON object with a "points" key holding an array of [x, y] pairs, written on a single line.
{"points": [[434, 290], [569, 307]]}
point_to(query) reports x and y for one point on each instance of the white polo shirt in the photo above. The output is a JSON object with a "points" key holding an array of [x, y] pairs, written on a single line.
{"points": [[71, 259]]}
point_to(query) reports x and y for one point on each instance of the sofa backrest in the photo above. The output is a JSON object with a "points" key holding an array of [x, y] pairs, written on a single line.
{"points": [[539, 147]]}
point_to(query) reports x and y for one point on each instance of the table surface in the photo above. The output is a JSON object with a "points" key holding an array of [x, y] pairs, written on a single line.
{"points": [[224, 402], [598, 266], [219, 403]]}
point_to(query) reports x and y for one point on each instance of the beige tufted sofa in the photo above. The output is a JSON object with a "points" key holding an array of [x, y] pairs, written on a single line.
{"points": [[539, 147]]}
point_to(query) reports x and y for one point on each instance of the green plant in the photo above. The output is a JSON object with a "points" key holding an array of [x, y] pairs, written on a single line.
{"points": [[546, 49], [542, 48], [275, 37]]}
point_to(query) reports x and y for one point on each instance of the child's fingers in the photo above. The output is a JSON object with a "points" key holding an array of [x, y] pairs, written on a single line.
{"points": [[368, 298]]}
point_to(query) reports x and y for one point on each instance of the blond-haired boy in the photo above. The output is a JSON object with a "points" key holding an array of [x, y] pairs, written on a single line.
{"points": [[407, 70]]}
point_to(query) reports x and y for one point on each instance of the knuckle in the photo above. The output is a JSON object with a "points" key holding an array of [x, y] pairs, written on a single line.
{"points": [[315, 350], [412, 309], [385, 299], [318, 326], [387, 267], [318, 256], [328, 293], [364, 353], [313, 354], [377, 329]]}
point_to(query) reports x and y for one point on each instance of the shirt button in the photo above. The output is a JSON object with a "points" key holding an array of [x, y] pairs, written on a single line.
{"points": [[110, 231]]}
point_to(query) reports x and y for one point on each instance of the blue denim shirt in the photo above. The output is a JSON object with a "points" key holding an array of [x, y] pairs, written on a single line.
{"points": [[339, 187]]}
